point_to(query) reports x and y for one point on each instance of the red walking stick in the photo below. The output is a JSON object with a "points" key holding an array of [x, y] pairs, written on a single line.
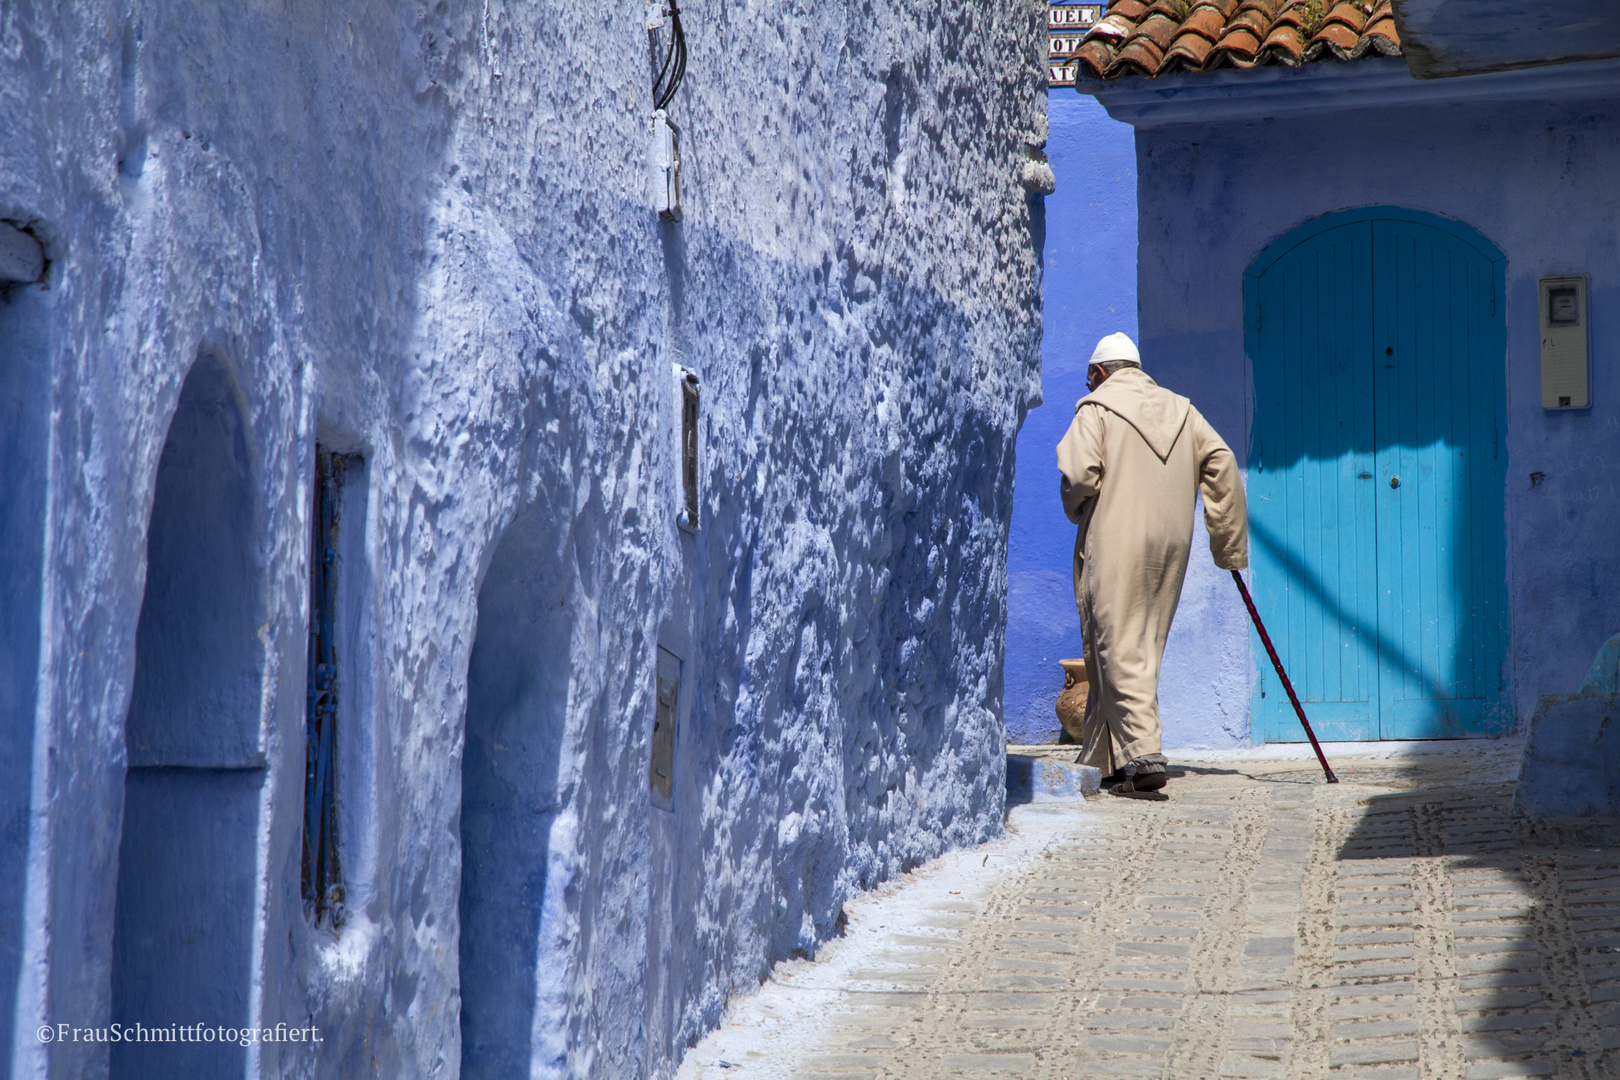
{"points": [[1265, 639]]}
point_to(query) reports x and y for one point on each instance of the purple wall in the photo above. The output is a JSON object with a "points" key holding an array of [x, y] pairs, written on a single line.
{"points": [[1090, 290], [1538, 178]]}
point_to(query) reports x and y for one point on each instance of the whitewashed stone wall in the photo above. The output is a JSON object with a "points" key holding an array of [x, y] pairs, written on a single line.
{"points": [[421, 233]]}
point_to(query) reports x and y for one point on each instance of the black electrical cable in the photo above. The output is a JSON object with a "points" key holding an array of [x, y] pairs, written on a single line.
{"points": [[674, 68]]}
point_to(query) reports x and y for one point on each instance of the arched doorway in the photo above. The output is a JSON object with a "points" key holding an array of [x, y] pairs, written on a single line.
{"points": [[1377, 457], [513, 956], [183, 921], [25, 413]]}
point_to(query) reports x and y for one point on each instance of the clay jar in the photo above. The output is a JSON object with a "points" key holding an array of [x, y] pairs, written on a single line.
{"points": [[1071, 703]]}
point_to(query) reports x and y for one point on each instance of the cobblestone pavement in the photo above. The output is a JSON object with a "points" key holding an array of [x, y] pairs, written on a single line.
{"points": [[1259, 923]]}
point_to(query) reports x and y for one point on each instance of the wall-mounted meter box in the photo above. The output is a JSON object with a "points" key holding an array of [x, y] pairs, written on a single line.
{"points": [[1565, 372]]}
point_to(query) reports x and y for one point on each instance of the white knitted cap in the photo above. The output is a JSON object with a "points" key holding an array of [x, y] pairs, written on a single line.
{"points": [[1116, 347]]}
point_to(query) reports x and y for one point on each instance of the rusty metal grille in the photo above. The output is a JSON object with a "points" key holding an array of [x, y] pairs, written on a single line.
{"points": [[689, 447], [322, 876]]}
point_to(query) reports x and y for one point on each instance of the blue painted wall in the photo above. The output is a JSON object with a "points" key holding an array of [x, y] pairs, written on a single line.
{"points": [[1090, 290], [1538, 180], [862, 313]]}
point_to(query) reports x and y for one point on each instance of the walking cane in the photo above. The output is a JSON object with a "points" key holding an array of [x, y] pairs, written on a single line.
{"points": [[1265, 639]]}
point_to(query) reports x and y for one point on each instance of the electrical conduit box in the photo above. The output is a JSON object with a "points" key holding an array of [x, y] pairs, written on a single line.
{"points": [[665, 157], [1565, 372], [666, 167]]}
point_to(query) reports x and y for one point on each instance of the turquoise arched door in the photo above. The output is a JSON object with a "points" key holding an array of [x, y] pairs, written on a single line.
{"points": [[1377, 455]]}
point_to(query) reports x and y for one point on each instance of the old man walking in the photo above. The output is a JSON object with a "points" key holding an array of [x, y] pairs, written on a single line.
{"points": [[1133, 462]]}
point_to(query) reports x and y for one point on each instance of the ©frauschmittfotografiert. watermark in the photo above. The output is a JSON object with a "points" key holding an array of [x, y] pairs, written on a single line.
{"points": [[178, 1033]]}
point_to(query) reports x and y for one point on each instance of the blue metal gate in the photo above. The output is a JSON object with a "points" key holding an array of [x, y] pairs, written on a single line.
{"points": [[1376, 468]]}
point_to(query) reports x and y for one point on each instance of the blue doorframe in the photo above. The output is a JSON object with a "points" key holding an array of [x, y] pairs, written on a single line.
{"points": [[1376, 339]]}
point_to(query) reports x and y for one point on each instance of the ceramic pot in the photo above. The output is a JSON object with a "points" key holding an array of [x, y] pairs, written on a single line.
{"points": [[1071, 703]]}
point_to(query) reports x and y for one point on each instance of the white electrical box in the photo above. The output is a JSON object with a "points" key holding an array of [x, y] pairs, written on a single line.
{"points": [[666, 167], [1565, 370]]}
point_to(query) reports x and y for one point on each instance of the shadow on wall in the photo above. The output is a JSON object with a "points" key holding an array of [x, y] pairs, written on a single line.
{"points": [[513, 960], [24, 446], [1308, 582], [182, 936], [197, 659]]}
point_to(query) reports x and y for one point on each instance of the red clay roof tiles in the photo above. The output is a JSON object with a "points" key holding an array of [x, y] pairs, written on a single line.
{"points": [[1207, 22], [1285, 39], [1139, 56], [1135, 37], [1250, 22], [1294, 17], [1115, 27], [1237, 46], [1158, 29], [1351, 15], [1191, 49], [1337, 35]]}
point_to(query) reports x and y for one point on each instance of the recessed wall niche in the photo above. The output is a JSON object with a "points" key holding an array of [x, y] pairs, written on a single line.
{"points": [[182, 933]]}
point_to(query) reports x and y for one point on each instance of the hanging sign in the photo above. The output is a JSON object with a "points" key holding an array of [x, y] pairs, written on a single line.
{"points": [[1066, 26]]}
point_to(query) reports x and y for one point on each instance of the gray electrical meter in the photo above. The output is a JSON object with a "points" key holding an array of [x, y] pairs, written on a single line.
{"points": [[1565, 371]]}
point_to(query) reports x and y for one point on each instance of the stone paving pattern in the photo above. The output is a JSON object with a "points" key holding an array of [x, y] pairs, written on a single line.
{"points": [[1401, 924]]}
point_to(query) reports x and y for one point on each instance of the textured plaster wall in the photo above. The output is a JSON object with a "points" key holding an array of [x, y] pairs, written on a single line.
{"points": [[1535, 178], [1089, 283], [419, 233]]}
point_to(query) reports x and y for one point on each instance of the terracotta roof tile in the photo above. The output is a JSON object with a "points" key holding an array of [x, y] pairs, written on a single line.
{"points": [[1267, 8], [1241, 38], [1238, 47], [1337, 36], [1383, 36], [1252, 22], [1351, 15], [1114, 28], [1156, 37], [1295, 14], [1094, 59], [1139, 56], [1206, 22], [1175, 10], [1159, 29], [1286, 44], [1190, 50]]}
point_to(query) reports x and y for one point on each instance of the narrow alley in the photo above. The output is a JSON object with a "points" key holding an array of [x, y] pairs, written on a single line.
{"points": [[1259, 923]]}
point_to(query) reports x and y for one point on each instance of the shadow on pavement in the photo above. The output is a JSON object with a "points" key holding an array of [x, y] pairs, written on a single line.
{"points": [[1446, 897], [1178, 771]]}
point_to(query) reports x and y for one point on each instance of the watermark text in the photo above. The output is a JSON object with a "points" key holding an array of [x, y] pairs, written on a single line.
{"points": [[178, 1033]]}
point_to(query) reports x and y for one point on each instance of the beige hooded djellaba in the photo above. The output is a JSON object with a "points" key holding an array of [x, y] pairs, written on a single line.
{"points": [[1133, 462]]}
